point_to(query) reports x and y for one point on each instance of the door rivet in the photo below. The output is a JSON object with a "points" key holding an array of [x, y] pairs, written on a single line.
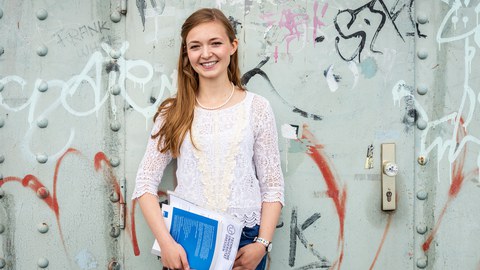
{"points": [[113, 265], [114, 161], [422, 90], [42, 158], [115, 232], [422, 19], [43, 192], [421, 124], [422, 263], [115, 16], [114, 197], [42, 123], [421, 228], [422, 54], [42, 50], [42, 14], [422, 160], [422, 195], [42, 262], [43, 86], [3, 263], [115, 126], [116, 90], [42, 227]]}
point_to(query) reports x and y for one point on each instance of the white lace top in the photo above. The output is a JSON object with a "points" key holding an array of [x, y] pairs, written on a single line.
{"points": [[235, 167]]}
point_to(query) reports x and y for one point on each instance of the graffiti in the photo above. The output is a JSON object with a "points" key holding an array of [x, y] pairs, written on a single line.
{"points": [[142, 9], [355, 25], [384, 237], [101, 163], [340, 198], [290, 25], [317, 23], [455, 147], [247, 76], [297, 232], [83, 39], [119, 74], [73, 35]]}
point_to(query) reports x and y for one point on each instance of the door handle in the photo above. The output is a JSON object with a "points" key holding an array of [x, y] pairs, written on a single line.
{"points": [[388, 179]]}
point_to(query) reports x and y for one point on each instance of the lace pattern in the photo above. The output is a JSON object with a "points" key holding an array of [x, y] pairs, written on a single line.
{"points": [[236, 166]]}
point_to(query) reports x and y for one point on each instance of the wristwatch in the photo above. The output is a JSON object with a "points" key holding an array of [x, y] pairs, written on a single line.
{"points": [[266, 243]]}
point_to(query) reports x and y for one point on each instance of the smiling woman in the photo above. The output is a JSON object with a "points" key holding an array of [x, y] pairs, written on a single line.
{"points": [[224, 139]]}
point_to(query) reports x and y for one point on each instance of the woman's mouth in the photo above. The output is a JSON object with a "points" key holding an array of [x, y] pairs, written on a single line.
{"points": [[208, 64]]}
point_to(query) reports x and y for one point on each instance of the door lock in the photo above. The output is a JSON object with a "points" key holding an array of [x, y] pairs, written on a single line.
{"points": [[389, 173]]}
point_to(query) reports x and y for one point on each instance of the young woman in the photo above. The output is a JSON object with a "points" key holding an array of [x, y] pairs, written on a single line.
{"points": [[225, 142]]}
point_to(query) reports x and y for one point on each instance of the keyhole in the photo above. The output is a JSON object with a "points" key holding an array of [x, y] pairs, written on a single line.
{"points": [[389, 196]]}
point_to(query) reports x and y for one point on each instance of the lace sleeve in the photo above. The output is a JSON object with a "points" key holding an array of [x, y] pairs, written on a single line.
{"points": [[150, 170], [266, 153]]}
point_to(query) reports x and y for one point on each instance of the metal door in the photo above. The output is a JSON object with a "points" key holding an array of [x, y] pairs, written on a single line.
{"points": [[80, 82]]}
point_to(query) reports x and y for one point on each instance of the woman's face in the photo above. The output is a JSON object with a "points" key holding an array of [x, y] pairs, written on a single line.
{"points": [[209, 50]]}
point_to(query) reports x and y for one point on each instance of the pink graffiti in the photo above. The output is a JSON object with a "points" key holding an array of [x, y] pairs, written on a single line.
{"points": [[291, 21], [317, 23]]}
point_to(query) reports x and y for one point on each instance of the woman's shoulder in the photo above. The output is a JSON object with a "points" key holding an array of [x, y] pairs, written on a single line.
{"points": [[258, 101]]}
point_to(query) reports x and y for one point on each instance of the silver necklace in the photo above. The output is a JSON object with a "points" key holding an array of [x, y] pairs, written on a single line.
{"points": [[217, 107]]}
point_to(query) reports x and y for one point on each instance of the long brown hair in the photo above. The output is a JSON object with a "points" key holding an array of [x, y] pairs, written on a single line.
{"points": [[178, 111]]}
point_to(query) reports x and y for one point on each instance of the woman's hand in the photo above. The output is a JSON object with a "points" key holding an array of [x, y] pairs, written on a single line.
{"points": [[249, 256], [174, 256]]}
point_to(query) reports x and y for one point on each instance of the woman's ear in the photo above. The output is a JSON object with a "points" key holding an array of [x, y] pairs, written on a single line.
{"points": [[234, 46]]}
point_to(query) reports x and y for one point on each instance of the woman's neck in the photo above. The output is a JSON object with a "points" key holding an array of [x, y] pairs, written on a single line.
{"points": [[210, 90]]}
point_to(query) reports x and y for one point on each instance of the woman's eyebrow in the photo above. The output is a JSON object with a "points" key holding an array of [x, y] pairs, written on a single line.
{"points": [[196, 41]]}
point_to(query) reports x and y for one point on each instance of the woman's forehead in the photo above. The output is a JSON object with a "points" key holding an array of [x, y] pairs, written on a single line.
{"points": [[207, 31]]}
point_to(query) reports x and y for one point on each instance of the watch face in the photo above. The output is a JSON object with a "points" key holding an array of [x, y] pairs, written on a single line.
{"points": [[269, 248]]}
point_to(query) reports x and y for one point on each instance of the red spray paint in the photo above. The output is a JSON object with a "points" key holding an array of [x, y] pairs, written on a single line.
{"points": [[100, 160], [458, 178], [384, 237], [32, 182], [339, 196]]}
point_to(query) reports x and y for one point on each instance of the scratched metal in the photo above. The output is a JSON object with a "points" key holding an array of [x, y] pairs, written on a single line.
{"points": [[349, 74]]}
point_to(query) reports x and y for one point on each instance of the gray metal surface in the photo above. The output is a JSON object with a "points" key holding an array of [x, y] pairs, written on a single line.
{"points": [[81, 80]]}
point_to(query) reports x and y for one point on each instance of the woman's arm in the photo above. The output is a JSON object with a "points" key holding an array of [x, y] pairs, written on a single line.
{"points": [[149, 175], [173, 255], [270, 177]]}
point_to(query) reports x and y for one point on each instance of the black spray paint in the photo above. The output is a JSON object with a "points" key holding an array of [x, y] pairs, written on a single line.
{"points": [[384, 13], [258, 71], [142, 6], [296, 232]]}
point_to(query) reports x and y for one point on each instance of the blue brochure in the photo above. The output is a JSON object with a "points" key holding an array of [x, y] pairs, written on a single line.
{"points": [[209, 238], [197, 235]]}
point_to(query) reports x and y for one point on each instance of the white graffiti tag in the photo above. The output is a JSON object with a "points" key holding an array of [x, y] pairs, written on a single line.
{"points": [[117, 79]]}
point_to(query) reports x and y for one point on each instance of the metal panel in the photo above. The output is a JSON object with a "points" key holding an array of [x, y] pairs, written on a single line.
{"points": [[80, 82], [59, 144], [447, 185], [289, 55]]}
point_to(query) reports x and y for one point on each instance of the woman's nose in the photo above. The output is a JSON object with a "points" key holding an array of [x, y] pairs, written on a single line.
{"points": [[206, 52]]}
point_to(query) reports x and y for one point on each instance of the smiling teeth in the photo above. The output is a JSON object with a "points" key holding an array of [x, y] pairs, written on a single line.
{"points": [[209, 64]]}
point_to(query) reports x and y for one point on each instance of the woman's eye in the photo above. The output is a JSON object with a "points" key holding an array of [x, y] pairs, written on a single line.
{"points": [[193, 47], [216, 43]]}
